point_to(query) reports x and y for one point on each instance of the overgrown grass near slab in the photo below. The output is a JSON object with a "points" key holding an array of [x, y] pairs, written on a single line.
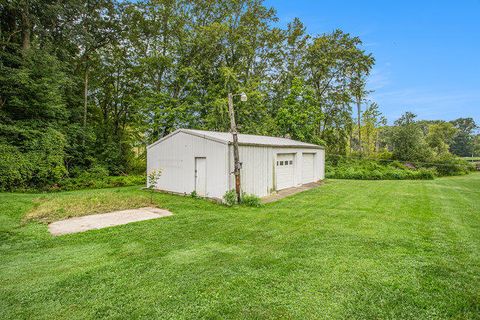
{"points": [[348, 249], [54, 207]]}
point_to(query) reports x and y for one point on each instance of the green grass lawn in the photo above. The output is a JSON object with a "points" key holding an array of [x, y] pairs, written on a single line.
{"points": [[348, 249]]}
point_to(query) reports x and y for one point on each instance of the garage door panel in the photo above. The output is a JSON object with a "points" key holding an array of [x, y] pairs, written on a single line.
{"points": [[308, 167], [285, 171]]}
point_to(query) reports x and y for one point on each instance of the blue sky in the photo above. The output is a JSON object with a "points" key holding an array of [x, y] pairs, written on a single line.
{"points": [[427, 52]]}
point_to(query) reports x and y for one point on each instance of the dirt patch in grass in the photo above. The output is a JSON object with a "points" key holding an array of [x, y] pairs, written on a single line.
{"points": [[50, 208]]}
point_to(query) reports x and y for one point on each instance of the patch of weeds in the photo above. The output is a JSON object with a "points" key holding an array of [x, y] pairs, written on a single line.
{"points": [[65, 205], [230, 198], [249, 200]]}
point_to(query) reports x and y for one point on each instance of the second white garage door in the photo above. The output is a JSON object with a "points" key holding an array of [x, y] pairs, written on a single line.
{"points": [[307, 167], [284, 170]]}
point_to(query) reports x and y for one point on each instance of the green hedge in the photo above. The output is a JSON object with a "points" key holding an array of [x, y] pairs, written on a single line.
{"points": [[386, 173], [384, 168], [452, 166], [365, 169], [37, 163], [85, 182]]}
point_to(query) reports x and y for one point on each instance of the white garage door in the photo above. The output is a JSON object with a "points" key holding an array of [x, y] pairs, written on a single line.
{"points": [[307, 167], [284, 170]]}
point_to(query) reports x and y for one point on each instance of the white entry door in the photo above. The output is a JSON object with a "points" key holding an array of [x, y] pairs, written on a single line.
{"points": [[285, 170], [307, 167], [201, 176]]}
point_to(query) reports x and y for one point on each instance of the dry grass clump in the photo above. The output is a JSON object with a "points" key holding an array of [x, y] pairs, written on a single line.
{"points": [[56, 207]]}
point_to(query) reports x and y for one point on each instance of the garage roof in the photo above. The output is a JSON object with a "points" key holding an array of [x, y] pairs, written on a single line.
{"points": [[245, 139]]}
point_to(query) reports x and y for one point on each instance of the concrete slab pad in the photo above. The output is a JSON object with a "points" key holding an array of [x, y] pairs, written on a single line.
{"points": [[104, 220], [290, 191]]}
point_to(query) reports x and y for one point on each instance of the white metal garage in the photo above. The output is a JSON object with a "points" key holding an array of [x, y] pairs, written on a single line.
{"points": [[202, 161]]}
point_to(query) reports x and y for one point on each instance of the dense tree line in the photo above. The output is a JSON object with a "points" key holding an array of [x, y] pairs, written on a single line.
{"points": [[413, 140], [85, 84], [409, 139]]}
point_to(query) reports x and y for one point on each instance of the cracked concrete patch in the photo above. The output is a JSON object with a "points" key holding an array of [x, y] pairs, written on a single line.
{"points": [[105, 220]]}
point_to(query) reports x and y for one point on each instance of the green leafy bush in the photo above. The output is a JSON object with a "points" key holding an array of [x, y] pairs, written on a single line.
{"points": [[15, 170], [97, 171], [90, 182], [449, 165], [397, 164], [39, 162], [364, 169], [251, 200], [230, 198], [385, 174], [426, 173]]}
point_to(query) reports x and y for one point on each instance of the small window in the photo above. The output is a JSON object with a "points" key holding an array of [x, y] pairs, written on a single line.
{"points": [[281, 163], [278, 163], [291, 161]]}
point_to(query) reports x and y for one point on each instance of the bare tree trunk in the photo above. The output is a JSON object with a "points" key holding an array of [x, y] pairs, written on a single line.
{"points": [[351, 141], [359, 111], [26, 28], [85, 102]]}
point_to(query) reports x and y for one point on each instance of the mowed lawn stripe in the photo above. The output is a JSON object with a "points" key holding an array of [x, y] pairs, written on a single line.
{"points": [[348, 249]]}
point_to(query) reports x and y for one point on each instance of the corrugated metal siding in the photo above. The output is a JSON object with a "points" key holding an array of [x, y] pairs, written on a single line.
{"points": [[176, 157], [321, 165], [256, 172]]}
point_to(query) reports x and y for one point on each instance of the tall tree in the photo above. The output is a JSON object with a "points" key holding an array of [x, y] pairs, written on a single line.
{"points": [[462, 144], [440, 136], [476, 146], [408, 141], [373, 122], [337, 66], [96, 26]]}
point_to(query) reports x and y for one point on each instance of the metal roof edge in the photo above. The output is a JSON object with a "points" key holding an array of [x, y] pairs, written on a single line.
{"points": [[163, 138], [197, 134], [307, 146], [188, 132], [279, 145]]}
